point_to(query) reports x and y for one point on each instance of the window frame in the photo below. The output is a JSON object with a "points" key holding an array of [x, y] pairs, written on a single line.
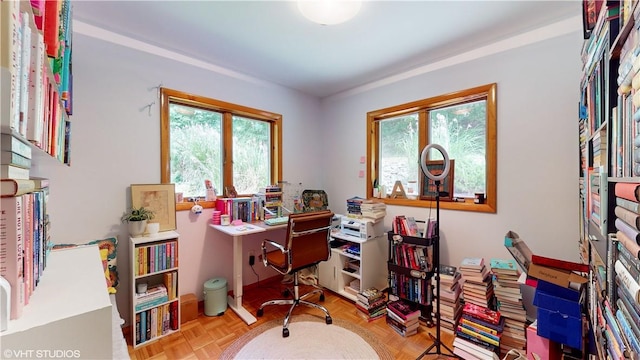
{"points": [[228, 110], [487, 92]]}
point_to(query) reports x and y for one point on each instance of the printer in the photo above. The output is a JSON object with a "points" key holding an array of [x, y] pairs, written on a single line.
{"points": [[361, 228]]}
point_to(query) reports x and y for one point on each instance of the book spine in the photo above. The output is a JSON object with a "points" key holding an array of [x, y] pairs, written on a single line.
{"points": [[479, 336], [631, 338], [12, 250], [627, 280], [627, 230], [627, 190]]}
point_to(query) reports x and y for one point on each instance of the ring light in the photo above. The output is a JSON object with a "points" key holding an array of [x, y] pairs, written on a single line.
{"points": [[423, 162]]}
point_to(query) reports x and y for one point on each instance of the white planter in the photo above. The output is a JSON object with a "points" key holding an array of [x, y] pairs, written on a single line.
{"points": [[137, 228]]}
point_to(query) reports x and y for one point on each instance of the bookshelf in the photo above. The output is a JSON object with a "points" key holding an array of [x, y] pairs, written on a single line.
{"points": [[609, 136], [354, 259], [35, 105], [155, 300]]}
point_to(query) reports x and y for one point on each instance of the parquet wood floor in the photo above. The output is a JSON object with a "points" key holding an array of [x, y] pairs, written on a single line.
{"points": [[207, 337]]}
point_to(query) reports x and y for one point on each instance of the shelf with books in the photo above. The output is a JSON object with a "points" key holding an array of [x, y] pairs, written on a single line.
{"points": [[36, 104], [411, 268], [155, 302], [610, 160]]}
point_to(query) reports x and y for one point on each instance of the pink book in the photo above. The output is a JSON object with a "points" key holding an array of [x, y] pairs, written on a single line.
{"points": [[629, 191], [11, 253]]}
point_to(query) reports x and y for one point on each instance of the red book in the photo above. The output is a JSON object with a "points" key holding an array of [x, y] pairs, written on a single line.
{"points": [[51, 26], [482, 313], [560, 264], [12, 257], [404, 309], [629, 191]]}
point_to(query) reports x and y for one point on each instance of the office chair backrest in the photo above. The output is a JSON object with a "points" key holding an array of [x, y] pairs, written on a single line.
{"points": [[308, 238]]}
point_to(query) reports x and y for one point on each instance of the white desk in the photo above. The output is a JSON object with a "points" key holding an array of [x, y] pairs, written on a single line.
{"points": [[237, 232]]}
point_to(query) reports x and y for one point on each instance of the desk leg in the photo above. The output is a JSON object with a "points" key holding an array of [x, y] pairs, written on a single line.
{"points": [[235, 302]]}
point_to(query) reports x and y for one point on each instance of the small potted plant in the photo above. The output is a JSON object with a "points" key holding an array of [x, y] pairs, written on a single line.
{"points": [[137, 220]]}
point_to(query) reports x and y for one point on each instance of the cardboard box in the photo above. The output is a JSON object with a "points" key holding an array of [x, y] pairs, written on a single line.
{"points": [[564, 278], [539, 347], [559, 314], [188, 308]]}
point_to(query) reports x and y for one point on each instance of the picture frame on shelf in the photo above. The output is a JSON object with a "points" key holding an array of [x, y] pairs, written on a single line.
{"points": [[428, 186], [159, 198]]}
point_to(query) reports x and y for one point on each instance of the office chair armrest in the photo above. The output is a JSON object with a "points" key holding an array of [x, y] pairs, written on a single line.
{"points": [[274, 244]]}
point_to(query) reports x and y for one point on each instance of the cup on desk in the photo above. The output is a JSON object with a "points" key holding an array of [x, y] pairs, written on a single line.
{"points": [[225, 220]]}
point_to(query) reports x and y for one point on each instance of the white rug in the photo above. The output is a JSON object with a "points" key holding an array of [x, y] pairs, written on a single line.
{"points": [[310, 338]]}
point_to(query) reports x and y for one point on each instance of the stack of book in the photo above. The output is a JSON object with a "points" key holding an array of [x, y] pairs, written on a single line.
{"points": [[371, 304], [353, 206], [478, 285], [373, 210], [509, 302], [154, 296], [450, 299], [403, 317], [15, 162], [478, 333]]}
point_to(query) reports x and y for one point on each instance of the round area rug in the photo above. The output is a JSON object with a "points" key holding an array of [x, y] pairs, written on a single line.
{"points": [[309, 338]]}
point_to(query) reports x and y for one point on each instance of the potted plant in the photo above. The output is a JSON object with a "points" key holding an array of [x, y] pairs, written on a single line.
{"points": [[137, 218]]}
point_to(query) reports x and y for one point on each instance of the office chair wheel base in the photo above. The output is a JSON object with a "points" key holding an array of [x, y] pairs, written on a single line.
{"points": [[285, 332], [328, 320], [260, 312]]}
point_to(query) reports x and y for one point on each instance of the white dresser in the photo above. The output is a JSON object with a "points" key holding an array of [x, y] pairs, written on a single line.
{"points": [[69, 311]]}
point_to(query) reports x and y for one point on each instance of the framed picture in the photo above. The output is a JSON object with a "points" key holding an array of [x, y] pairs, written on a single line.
{"points": [[159, 198], [428, 186]]}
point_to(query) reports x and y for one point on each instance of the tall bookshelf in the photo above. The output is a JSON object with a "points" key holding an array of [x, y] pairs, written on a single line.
{"points": [[608, 123], [35, 105]]}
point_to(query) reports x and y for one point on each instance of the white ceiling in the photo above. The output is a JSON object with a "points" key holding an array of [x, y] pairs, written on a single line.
{"points": [[270, 40]]}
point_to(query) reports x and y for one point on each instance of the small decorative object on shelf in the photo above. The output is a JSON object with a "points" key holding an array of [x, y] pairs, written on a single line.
{"points": [[137, 218]]}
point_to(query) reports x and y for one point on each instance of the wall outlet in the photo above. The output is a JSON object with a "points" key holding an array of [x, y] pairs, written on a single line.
{"points": [[252, 257]]}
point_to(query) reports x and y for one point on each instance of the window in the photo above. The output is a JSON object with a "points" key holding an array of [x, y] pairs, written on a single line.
{"points": [[227, 144], [463, 123]]}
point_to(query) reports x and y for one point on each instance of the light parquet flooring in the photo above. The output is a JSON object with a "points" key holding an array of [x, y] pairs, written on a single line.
{"points": [[207, 337]]}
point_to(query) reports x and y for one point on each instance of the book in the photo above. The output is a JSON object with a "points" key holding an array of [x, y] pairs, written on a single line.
{"points": [[447, 272], [13, 172], [631, 245], [628, 216], [482, 313], [475, 349], [627, 190], [404, 309], [370, 295], [560, 264], [628, 230], [11, 158], [13, 144], [15, 187], [472, 263], [633, 206], [504, 266], [12, 251]]}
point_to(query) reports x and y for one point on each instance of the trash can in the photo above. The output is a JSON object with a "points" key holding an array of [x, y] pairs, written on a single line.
{"points": [[215, 296]]}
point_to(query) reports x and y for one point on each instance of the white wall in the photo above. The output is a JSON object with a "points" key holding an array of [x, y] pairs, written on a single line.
{"points": [[537, 93], [115, 142]]}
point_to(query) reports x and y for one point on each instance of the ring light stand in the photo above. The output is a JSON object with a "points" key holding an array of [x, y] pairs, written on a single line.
{"points": [[437, 343]]}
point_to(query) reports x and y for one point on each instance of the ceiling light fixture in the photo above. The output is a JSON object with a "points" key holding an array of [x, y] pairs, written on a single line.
{"points": [[329, 12]]}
